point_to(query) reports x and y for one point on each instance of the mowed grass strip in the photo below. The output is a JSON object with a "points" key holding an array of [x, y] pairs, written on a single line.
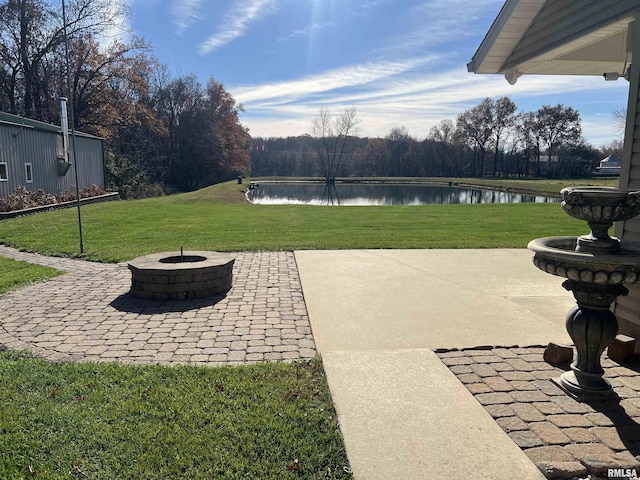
{"points": [[217, 218], [114, 421], [14, 274]]}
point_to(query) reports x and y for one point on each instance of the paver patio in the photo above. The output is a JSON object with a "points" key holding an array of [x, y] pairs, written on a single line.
{"points": [[563, 437], [403, 409], [88, 315]]}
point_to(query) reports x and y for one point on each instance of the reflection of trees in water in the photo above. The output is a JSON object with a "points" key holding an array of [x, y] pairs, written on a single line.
{"points": [[330, 195], [355, 194]]}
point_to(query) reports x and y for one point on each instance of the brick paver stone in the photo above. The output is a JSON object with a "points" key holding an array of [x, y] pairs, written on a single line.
{"points": [[475, 388], [527, 412], [609, 436], [547, 408], [579, 435], [569, 420], [511, 424], [555, 462], [517, 375], [484, 370], [499, 410], [498, 384], [564, 438], [549, 433], [493, 398], [88, 315], [529, 396], [525, 439]]}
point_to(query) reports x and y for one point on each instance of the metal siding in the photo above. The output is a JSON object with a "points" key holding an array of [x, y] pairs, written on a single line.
{"points": [[627, 308], [90, 162], [40, 147], [7, 154]]}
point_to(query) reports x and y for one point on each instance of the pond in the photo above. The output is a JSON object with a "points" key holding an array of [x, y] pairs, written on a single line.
{"points": [[350, 194]]}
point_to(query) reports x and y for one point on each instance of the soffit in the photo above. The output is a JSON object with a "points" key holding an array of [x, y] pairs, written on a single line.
{"points": [[556, 37]]}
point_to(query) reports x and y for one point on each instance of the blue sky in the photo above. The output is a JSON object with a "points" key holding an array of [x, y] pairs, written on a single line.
{"points": [[399, 62]]}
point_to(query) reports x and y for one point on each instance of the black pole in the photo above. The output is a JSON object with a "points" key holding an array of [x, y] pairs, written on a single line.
{"points": [[72, 121]]}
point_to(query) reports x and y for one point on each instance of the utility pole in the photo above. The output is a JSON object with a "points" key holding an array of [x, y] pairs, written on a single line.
{"points": [[72, 121]]}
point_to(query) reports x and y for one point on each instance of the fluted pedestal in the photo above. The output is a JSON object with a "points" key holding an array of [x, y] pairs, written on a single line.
{"points": [[592, 326]]}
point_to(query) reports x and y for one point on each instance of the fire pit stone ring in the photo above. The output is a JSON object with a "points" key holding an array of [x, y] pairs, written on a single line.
{"points": [[181, 275]]}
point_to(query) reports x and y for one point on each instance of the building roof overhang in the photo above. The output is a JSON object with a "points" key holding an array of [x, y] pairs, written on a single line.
{"points": [[8, 119], [558, 37]]}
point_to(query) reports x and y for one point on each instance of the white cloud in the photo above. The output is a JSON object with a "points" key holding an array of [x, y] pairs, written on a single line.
{"points": [[363, 8], [352, 76], [435, 22], [185, 12], [385, 98], [119, 29], [308, 30], [242, 15]]}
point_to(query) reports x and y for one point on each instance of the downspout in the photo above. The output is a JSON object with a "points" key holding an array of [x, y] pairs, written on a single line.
{"points": [[65, 129]]}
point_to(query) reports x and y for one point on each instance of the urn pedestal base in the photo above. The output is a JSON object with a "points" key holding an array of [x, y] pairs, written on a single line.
{"points": [[592, 326], [595, 266]]}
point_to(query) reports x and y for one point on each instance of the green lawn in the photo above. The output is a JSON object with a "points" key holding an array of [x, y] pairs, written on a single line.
{"points": [[16, 274], [266, 421], [217, 218], [112, 421]]}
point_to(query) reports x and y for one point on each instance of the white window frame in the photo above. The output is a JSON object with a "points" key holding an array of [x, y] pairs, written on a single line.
{"points": [[28, 172], [5, 177]]}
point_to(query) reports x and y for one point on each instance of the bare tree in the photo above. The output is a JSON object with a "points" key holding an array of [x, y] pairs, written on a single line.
{"points": [[331, 137], [31, 39], [442, 136], [475, 126], [619, 115], [558, 125], [502, 118]]}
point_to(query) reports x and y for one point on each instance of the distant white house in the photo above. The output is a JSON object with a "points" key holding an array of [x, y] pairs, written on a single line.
{"points": [[609, 166]]}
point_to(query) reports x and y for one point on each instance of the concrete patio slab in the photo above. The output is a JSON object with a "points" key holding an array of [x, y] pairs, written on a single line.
{"points": [[397, 299], [405, 415], [376, 315]]}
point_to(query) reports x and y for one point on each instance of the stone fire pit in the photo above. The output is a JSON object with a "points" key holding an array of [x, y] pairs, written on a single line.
{"points": [[181, 275]]}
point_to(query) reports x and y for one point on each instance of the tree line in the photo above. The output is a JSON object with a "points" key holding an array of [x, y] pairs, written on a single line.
{"points": [[162, 133], [165, 133], [490, 139]]}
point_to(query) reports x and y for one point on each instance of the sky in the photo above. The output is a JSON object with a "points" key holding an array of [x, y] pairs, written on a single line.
{"points": [[400, 63]]}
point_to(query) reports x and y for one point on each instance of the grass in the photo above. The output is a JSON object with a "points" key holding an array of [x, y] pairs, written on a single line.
{"points": [[541, 187], [218, 218], [267, 421], [113, 421], [15, 274]]}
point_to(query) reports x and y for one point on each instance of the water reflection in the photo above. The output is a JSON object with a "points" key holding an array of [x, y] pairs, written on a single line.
{"points": [[367, 194]]}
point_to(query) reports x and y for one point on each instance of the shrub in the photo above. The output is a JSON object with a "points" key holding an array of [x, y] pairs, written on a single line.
{"points": [[23, 198], [86, 192]]}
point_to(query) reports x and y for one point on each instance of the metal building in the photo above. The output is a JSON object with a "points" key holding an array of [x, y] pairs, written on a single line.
{"points": [[32, 154]]}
